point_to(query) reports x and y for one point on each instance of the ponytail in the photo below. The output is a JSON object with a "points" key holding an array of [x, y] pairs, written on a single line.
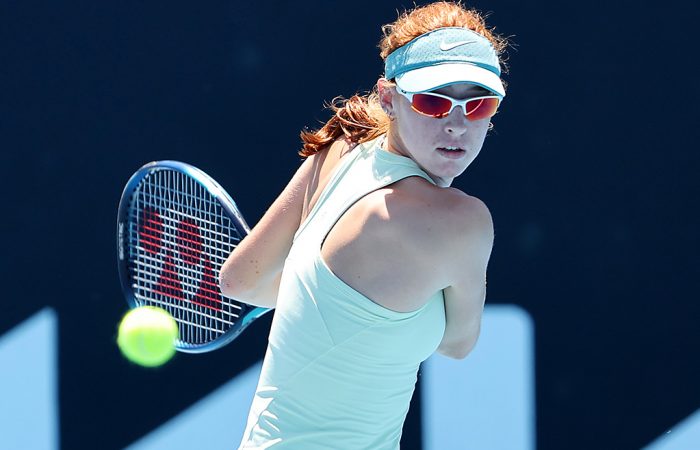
{"points": [[357, 119]]}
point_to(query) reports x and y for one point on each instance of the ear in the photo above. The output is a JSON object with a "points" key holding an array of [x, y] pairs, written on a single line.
{"points": [[387, 92]]}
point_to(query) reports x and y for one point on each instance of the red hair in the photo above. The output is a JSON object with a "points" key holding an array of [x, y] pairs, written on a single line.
{"points": [[361, 118]]}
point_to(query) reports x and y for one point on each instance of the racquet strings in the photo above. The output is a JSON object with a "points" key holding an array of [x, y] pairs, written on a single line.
{"points": [[179, 236]]}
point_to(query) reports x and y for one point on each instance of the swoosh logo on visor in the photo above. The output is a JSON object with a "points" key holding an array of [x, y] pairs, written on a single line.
{"points": [[447, 47]]}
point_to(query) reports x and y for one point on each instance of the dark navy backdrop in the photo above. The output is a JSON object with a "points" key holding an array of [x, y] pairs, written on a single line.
{"points": [[590, 174]]}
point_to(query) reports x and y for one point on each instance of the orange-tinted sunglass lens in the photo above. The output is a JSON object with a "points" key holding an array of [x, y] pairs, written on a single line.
{"points": [[430, 105], [481, 108]]}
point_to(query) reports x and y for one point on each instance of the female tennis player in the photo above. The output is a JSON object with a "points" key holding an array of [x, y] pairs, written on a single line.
{"points": [[371, 259]]}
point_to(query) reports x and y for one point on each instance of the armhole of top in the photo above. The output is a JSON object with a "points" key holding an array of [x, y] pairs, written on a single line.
{"points": [[340, 168]]}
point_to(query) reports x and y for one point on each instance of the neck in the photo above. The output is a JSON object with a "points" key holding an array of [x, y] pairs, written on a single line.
{"points": [[392, 143]]}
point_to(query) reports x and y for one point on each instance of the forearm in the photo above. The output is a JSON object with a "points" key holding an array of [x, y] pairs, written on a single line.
{"points": [[463, 312]]}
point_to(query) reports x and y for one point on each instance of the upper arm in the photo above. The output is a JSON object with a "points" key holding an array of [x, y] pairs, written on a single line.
{"points": [[251, 272], [467, 264]]}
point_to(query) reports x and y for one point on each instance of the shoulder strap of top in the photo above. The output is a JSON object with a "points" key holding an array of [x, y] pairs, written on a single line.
{"points": [[367, 168]]}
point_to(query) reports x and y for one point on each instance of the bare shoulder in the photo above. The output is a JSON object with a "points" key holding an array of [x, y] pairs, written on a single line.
{"points": [[445, 225], [468, 225], [319, 168], [447, 210], [469, 213]]}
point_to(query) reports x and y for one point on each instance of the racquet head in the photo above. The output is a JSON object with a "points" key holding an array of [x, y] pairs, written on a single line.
{"points": [[176, 226]]}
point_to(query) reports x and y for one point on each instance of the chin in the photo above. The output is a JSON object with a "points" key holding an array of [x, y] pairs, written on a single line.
{"points": [[444, 176], [455, 170]]}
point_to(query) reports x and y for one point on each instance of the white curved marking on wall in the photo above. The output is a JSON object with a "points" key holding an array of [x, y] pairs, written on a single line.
{"points": [[29, 383], [487, 400]]}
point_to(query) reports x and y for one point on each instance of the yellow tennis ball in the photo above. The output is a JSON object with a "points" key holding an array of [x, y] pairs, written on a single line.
{"points": [[147, 336]]}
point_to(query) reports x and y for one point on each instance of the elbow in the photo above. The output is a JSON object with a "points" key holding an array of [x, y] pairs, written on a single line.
{"points": [[235, 281], [245, 293], [230, 288], [226, 288], [454, 352], [457, 350]]}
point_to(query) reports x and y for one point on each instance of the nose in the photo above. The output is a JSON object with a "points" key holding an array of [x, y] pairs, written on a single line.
{"points": [[456, 122]]}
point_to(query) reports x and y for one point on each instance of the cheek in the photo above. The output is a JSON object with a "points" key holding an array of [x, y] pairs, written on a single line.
{"points": [[418, 128], [405, 127], [481, 129], [410, 122]]}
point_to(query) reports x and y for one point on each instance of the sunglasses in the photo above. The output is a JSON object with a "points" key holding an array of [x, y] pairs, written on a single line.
{"points": [[438, 106]]}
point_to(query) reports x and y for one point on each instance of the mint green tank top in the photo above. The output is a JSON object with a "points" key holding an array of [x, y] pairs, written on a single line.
{"points": [[340, 369]]}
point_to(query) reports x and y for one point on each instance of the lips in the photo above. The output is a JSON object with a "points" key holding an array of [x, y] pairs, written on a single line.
{"points": [[451, 152]]}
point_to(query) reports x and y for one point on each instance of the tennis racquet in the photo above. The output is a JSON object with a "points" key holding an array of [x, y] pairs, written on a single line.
{"points": [[175, 228]]}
